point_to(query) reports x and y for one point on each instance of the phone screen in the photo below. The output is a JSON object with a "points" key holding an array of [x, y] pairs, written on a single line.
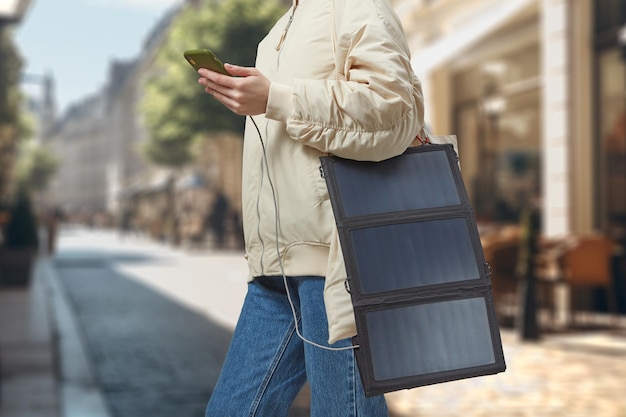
{"points": [[205, 58]]}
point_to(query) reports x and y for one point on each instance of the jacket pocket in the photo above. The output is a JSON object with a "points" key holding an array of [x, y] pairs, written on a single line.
{"points": [[318, 182]]}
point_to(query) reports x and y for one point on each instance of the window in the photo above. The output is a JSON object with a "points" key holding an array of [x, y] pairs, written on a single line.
{"points": [[499, 145]]}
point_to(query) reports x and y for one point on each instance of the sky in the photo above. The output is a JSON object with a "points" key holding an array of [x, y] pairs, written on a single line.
{"points": [[75, 41]]}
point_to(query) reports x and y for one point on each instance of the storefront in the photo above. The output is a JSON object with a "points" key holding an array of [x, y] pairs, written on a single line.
{"points": [[524, 102]]}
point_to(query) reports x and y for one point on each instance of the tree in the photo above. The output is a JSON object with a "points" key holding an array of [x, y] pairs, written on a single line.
{"points": [[176, 109], [36, 167], [10, 68]]}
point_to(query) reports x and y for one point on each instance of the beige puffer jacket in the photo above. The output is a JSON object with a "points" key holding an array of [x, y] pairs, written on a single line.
{"points": [[342, 84]]}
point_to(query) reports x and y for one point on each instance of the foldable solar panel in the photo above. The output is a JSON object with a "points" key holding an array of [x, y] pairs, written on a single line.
{"points": [[416, 271]]}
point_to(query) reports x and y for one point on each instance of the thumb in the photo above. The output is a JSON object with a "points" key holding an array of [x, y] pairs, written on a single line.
{"points": [[238, 71]]}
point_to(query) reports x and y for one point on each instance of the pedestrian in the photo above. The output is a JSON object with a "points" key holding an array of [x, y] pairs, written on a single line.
{"points": [[217, 219], [125, 221], [51, 224], [331, 77]]}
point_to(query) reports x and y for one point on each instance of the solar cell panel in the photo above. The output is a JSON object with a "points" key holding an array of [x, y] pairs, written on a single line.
{"points": [[416, 271]]}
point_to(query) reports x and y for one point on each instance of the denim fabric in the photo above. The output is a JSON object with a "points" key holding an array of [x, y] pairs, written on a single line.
{"points": [[267, 363]]}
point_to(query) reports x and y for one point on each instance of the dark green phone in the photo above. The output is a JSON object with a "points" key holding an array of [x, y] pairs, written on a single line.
{"points": [[205, 58]]}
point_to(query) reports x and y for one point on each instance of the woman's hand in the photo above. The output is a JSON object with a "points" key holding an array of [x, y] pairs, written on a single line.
{"points": [[245, 93]]}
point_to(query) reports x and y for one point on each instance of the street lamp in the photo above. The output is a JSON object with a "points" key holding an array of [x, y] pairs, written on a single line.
{"points": [[44, 106], [492, 106]]}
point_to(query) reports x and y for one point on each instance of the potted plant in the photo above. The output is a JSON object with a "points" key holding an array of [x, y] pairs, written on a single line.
{"points": [[20, 243]]}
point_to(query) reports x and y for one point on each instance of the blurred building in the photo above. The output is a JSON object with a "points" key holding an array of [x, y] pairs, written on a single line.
{"points": [[79, 141], [124, 132], [534, 89]]}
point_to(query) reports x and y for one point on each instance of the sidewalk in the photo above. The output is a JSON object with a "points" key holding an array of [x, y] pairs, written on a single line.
{"points": [[575, 374], [28, 379], [44, 369]]}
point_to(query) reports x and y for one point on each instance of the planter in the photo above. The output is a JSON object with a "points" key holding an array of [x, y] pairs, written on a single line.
{"points": [[16, 266]]}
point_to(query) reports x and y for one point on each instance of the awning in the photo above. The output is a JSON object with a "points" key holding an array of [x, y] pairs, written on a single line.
{"points": [[190, 182], [445, 49], [156, 183]]}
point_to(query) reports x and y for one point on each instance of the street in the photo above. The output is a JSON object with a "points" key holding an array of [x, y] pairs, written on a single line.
{"points": [[156, 321]]}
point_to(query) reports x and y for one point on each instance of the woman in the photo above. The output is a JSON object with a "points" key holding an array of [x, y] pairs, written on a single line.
{"points": [[331, 77]]}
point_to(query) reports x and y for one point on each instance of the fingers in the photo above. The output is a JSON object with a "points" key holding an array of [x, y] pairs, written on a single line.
{"points": [[225, 85], [238, 71], [217, 78], [231, 103], [208, 83], [234, 70]]}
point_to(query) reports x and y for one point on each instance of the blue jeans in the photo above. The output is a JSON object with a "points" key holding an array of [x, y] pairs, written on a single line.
{"points": [[267, 363]]}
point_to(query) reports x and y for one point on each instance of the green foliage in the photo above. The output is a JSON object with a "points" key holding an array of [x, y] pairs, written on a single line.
{"points": [[10, 97], [26, 126], [21, 230], [175, 107], [36, 167], [10, 67]]}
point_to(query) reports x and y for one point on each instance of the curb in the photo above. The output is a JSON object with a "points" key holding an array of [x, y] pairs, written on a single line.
{"points": [[80, 395]]}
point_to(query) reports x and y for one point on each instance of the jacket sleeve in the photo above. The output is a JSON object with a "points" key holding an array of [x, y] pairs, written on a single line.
{"points": [[372, 111]]}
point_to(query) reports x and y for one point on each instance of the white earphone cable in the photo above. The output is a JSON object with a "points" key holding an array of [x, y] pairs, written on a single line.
{"points": [[280, 261]]}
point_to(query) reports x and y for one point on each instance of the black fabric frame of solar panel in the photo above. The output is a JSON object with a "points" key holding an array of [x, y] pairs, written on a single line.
{"points": [[416, 271]]}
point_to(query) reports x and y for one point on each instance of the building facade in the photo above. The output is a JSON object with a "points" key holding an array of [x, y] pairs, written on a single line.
{"points": [[534, 89], [79, 142]]}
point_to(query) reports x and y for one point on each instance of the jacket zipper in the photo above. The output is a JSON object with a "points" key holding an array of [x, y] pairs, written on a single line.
{"points": [[284, 34]]}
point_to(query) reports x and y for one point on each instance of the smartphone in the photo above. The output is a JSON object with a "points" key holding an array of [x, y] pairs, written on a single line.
{"points": [[205, 58]]}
